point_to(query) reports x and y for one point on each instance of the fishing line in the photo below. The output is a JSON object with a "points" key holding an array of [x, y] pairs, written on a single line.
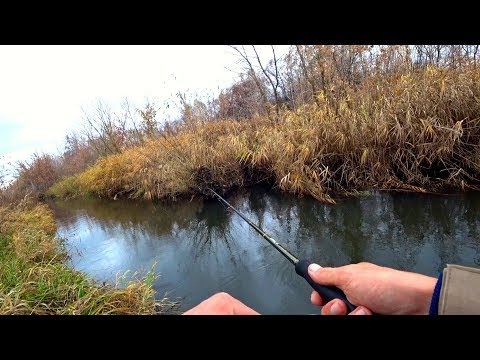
{"points": [[327, 293]]}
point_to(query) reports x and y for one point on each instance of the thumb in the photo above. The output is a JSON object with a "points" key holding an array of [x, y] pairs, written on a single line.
{"points": [[327, 275]]}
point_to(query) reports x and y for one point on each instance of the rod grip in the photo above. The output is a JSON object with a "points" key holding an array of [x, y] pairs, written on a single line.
{"points": [[326, 292]]}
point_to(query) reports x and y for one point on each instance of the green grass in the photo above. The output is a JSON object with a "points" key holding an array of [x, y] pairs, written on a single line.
{"points": [[67, 188], [35, 280]]}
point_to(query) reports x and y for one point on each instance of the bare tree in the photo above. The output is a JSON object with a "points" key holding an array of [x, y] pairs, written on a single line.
{"points": [[270, 76], [268, 73], [251, 72], [101, 129], [305, 72]]}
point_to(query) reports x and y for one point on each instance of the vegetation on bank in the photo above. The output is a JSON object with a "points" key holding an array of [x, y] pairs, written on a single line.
{"points": [[318, 120], [417, 131], [35, 280]]}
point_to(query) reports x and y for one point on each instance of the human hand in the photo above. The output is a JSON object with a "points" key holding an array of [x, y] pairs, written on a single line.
{"points": [[221, 304], [374, 288]]}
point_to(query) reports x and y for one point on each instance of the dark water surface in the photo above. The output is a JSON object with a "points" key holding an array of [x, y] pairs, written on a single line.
{"points": [[201, 249]]}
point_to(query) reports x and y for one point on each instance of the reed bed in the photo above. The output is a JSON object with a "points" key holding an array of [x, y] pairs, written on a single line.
{"points": [[416, 131]]}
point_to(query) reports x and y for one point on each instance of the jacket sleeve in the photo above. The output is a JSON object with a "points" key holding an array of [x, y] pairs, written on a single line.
{"points": [[457, 292]]}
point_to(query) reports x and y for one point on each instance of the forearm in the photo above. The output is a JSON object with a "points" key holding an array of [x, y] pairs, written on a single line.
{"points": [[422, 295], [411, 293]]}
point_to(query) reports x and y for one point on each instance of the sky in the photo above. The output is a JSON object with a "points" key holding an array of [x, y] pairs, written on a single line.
{"points": [[44, 88]]}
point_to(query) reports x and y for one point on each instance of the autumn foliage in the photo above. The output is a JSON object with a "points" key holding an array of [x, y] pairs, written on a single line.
{"points": [[318, 120]]}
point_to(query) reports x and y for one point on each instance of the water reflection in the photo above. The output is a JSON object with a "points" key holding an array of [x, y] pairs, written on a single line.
{"points": [[200, 248]]}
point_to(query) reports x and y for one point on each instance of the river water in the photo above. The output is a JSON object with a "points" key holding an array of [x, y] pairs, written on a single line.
{"points": [[200, 248]]}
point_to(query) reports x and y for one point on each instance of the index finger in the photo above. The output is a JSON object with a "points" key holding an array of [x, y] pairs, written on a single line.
{"points": [[316, 299]]}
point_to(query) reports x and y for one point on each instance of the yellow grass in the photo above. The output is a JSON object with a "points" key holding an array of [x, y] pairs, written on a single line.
{"points": [[415, 132], [35, 280]]}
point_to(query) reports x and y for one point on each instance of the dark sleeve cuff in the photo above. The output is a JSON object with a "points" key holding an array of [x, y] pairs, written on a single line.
{"points": [[436, 296]]}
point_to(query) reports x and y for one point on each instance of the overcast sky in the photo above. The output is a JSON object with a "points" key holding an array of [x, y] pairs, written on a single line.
{"points": [[43, 88]]}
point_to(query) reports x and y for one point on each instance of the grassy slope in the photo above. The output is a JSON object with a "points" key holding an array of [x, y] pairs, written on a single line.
{"points": [[34, 279]]}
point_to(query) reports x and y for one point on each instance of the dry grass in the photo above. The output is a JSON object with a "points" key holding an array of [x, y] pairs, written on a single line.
{"points": [[412, 132], [34, 279]]}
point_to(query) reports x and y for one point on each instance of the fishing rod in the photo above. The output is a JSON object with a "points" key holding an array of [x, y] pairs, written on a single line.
{"points": [[327, 293], [301, 266]]}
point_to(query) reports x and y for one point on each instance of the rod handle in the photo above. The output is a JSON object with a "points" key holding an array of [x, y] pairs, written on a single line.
{"points": [[326, 292]]}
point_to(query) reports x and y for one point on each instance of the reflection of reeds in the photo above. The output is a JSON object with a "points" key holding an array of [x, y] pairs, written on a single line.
{"points": [[208, 223], [155, 218], [403, 231], [211, 228]]}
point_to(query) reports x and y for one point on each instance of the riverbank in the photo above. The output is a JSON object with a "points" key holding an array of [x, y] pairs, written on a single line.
{"points": [[417, 132], [34, 278]]}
